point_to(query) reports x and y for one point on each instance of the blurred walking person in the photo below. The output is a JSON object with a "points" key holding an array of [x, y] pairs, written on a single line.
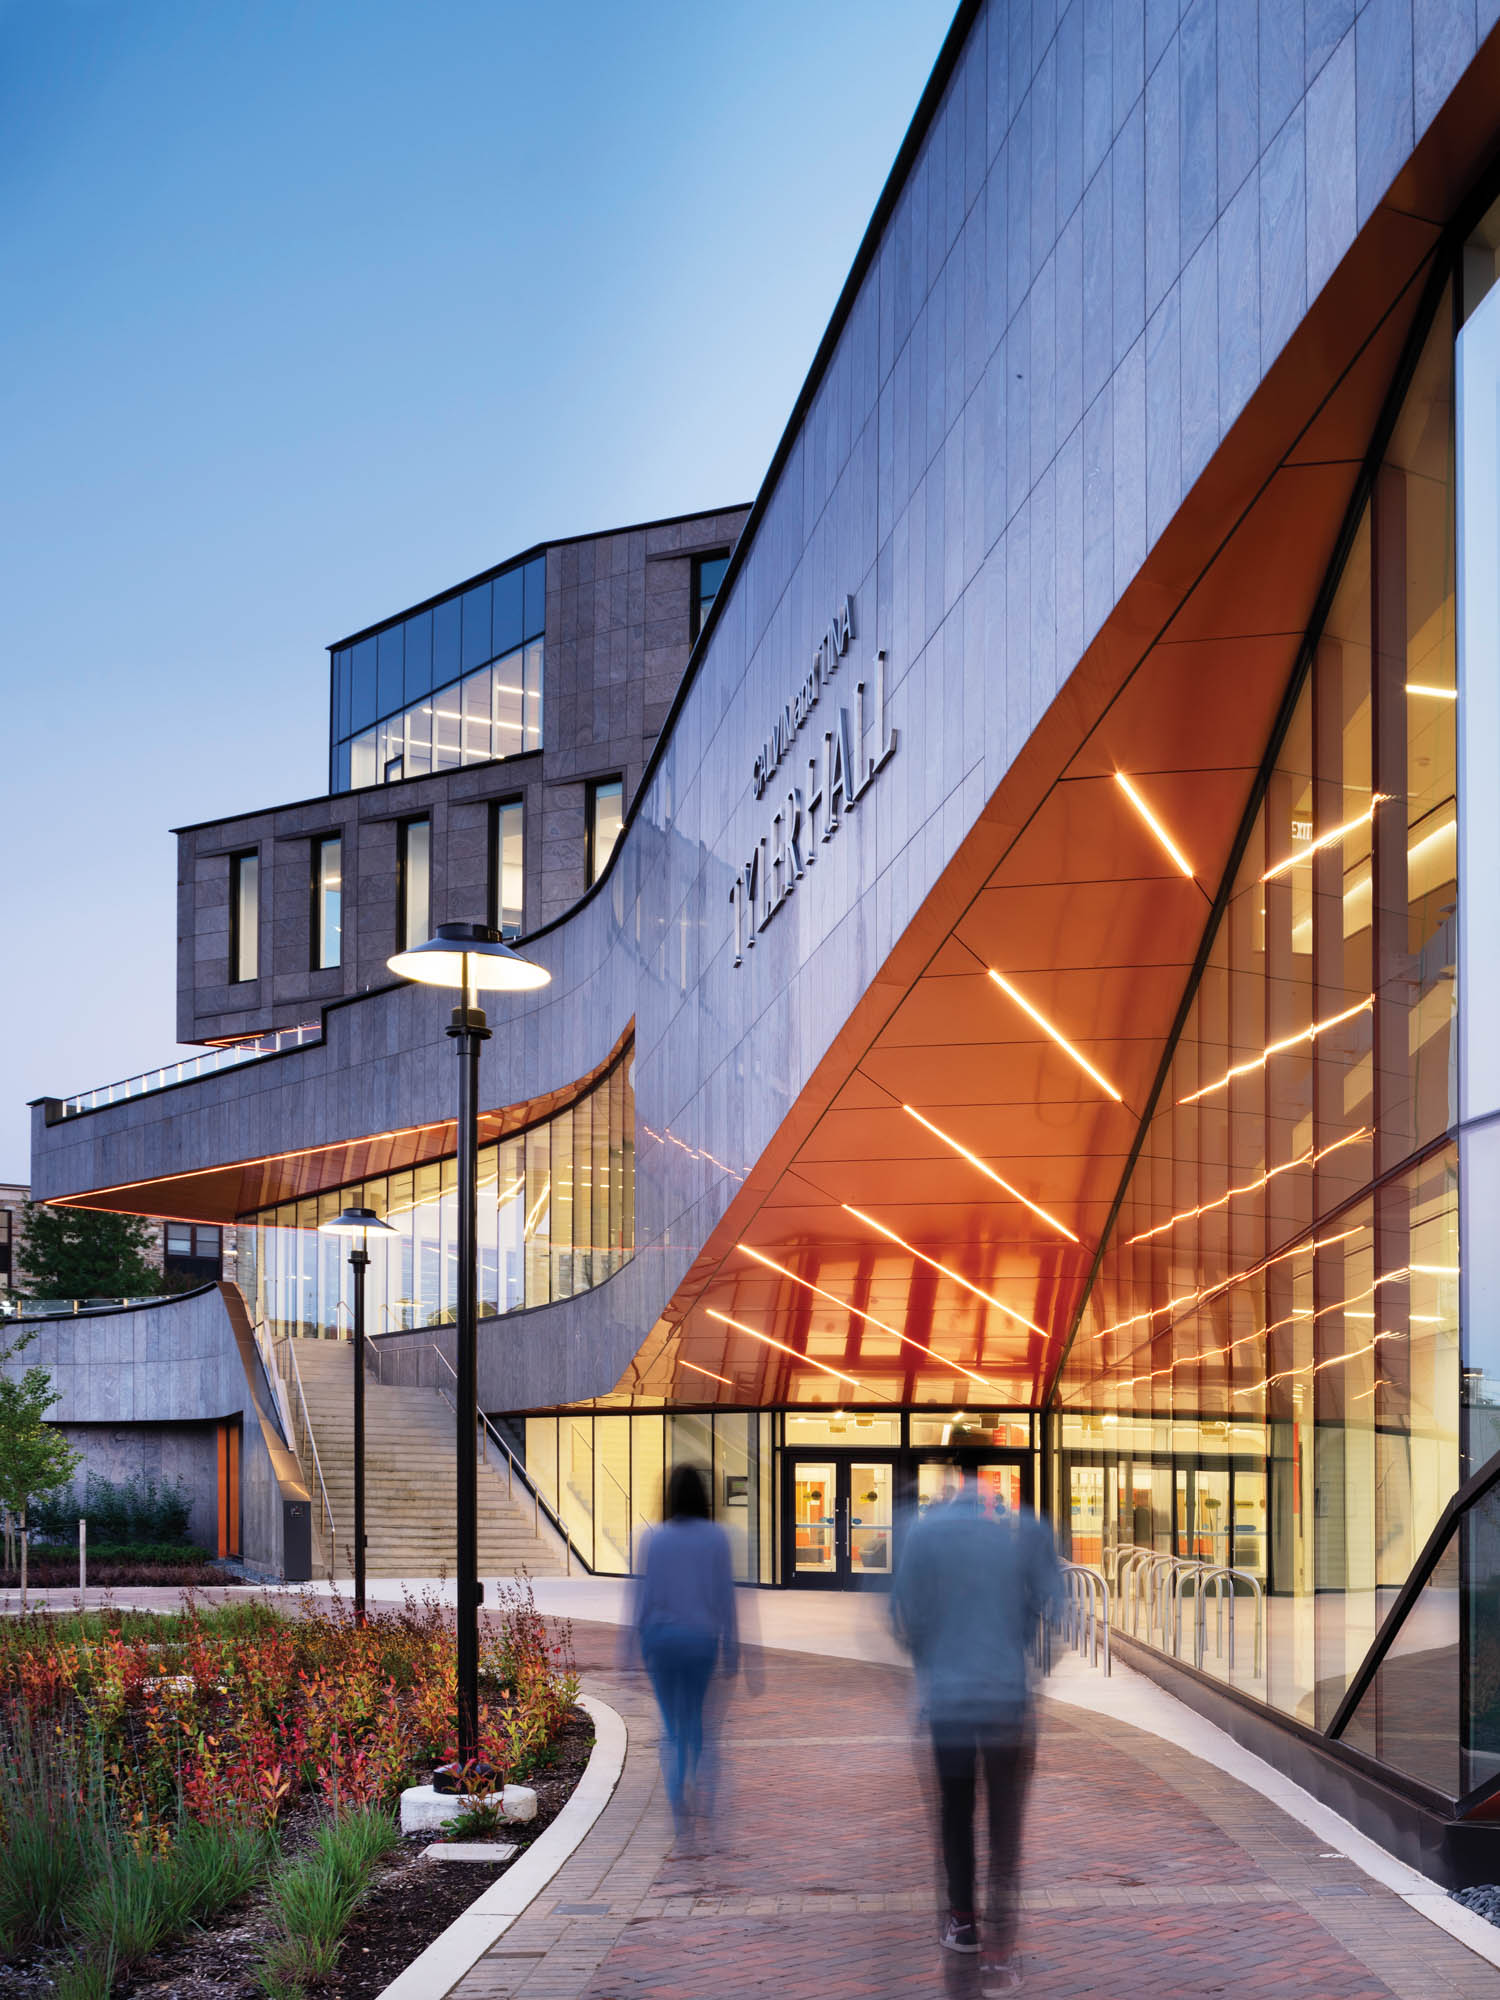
{"points": [[968, 1593], [684, 1622]]}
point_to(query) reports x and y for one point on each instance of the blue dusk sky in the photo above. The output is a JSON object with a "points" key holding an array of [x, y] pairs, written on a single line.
{"points": [[312, 310]]}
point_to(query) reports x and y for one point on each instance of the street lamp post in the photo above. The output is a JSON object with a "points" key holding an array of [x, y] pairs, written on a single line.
{"points": [[356, 1223], [471, 957]]}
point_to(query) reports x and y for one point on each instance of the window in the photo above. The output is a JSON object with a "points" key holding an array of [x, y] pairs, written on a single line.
{"points": [[192, 1251], [458, 684], [413, 883], [328, 903], [606, 813], [507, 867], [244, 917], [708, 574]]}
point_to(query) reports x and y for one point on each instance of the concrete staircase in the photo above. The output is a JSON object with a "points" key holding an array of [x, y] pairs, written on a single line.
{"points": [[409, 1479]]}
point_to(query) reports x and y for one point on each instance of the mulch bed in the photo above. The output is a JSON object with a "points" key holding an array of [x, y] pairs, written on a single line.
{"points": [[412, 1902]]}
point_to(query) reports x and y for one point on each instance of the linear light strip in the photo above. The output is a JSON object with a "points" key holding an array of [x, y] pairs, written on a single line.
{"points": [[1307, 1159], [843, 1306], [1437, 693], [1278, 1048], [975, 1161], [837, 1373], [1061, 1040], [1168, 844], [705, 1371], [1327, 839], [978, 1290]]}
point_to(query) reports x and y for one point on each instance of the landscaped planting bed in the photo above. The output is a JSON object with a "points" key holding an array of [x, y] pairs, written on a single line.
{"points": [[203, 1805]]}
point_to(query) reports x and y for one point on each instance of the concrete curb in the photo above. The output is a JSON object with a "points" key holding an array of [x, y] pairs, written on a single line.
{"points": [[438, 1969]]}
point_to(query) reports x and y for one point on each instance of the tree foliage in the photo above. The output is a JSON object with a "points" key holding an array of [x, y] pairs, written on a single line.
{"points": [[84, 1253], [35, 1457]]}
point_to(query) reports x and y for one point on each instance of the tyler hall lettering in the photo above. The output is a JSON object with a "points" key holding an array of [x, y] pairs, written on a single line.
{"points": [[839, 773]]}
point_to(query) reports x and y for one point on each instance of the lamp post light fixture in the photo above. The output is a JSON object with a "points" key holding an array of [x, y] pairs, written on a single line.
{"points": [[356, 1224], [473, 958]]}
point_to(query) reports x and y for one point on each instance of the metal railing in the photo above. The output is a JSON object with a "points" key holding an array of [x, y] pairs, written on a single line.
{"points": [[229, 1056], [265, 1347], [311, 1450], [1223, 1580], [487, 1430], [1085, 1616]]}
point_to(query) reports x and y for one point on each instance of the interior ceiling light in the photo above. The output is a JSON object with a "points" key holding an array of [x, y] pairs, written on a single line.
{"points": [[843, 1306], [1438, 694], [989, 1172], [1165, 839], [921, 1255], [1307, 1159], [1327, 839], [1061, 1040], [705, 1371], [1277, 1048], [837, 1373]]}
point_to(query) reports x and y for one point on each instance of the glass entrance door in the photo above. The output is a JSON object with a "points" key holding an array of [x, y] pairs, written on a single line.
{"points": [[840, 1513]]}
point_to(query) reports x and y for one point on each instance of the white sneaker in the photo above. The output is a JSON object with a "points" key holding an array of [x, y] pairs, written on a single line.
{"points": [[959, 1935]]}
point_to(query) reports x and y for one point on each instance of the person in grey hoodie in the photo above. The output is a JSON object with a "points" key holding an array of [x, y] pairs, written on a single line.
{"points": [[684, 1622], [968, 1594]]}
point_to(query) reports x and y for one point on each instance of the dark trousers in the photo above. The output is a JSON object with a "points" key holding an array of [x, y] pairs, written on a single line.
{"points": [[959, 1749]]}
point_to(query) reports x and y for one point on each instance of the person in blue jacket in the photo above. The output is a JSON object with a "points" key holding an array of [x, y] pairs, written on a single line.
{"points": [[684, 1622], [969, 1591]]}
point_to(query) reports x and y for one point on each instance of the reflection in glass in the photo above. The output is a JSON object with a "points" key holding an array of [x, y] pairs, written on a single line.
{"points": [[507, 866], [1265, 1377], [328, 903], [535, 1217], [414, 888], [244, 916], [606, 816], [458, 684]]}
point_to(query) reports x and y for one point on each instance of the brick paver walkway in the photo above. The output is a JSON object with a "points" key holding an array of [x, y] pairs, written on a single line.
{"points": [[1147, 1872]]}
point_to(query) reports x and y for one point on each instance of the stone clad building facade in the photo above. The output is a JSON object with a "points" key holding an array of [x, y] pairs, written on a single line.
{"points": [[1059, 1039]]}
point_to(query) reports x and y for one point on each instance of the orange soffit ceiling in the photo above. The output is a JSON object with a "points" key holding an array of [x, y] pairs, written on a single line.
{"points": [[927, 1223]]}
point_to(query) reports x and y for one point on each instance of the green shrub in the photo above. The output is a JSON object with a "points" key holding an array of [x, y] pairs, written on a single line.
{"points": [[315, 1896], [175, 1553], [85, 1978], [145, 1897], [118, 1511]]}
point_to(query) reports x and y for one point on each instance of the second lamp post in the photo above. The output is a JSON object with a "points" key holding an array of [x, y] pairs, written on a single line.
{"points": [[356, 1223], [470, 957]]}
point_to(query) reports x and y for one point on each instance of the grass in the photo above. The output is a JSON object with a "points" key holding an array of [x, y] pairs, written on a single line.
{"points": [[314, 1897], [69, 1872], [54, 1838]]}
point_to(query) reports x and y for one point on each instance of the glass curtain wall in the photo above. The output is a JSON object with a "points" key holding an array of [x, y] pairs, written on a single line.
{"points": [[556, 1217], [460, 683], [606, 1477], [1266, 1375]]}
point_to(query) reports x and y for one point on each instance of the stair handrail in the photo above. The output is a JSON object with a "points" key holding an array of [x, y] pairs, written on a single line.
{"points": [[513, 1467], [629, 1509], [312, 1445], [265, 1347]]}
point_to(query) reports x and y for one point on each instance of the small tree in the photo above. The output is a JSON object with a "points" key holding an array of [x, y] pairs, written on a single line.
{"points": [[35, 1457], [86, 1253]]}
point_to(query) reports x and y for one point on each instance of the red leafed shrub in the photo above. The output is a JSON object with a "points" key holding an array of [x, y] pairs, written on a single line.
{"points": [[232, 1712]]}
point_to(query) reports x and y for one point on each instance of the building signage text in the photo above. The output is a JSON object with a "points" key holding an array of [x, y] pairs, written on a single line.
{"points": [[839, 773]]}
